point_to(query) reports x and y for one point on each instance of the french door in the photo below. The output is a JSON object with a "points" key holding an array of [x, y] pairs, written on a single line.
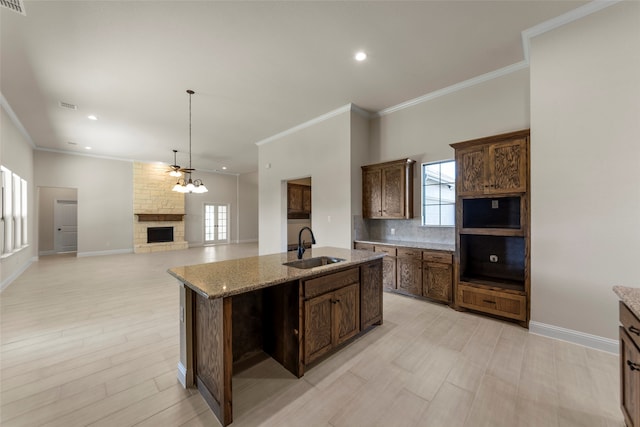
{"points": [[216, 223]]}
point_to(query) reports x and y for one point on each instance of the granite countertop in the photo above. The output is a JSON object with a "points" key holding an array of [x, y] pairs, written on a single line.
{"points": [[629, 296], [233, 277], [449, 247]]}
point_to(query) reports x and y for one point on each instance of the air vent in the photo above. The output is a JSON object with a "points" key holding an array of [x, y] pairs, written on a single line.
{"points": [[15, 5], [66, 104]]}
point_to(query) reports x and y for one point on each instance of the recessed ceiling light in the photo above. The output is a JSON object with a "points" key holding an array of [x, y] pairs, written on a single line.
{"points": [[361, 56], [92, 117], [87, 148], [224, 168]]}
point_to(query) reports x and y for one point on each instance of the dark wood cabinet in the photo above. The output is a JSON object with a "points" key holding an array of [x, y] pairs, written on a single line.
{"points": [[493, 226], [629, 366], [409, 271], [298, 201], [370, 294], [495, 167], [437, 280], [331, 312], [387, 190], [388, 266]]}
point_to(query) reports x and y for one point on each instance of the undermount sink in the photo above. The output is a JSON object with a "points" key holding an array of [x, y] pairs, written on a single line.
{"points": [[313, 262]]}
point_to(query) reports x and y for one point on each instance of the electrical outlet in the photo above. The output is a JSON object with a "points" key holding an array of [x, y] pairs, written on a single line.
{"points": [[181, 314], [393, 231], [494, 204], [493, 258]]}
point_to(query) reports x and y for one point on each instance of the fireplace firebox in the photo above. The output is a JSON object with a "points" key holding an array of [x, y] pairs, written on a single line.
{"points": [[159, 234]]}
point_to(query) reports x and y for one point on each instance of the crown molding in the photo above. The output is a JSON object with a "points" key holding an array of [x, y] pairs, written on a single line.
{"points": [[73, 153], [344, 109], [14, 119]]}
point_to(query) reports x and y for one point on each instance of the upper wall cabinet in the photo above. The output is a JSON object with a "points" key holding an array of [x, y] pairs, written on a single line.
{"points": [[387, 190], [495, 165], [298, 201]]}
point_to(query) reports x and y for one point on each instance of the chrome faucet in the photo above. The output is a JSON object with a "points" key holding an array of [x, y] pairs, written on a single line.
{"points": [[301, 242]]}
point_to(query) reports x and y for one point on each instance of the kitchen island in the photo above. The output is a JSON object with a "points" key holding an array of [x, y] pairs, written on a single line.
{"points": [[234, 312]]}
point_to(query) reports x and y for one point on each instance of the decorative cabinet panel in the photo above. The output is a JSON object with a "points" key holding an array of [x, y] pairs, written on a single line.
{"points": [[370, 294], [492, 273], [629, 366], [493, 168], [388, 266], [409, 274], [436, 281], [331, 312], [298, 201], [387, 190]]}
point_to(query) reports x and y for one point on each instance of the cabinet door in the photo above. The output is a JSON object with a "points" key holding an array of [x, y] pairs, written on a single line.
{"points": [[437, 281], [346, 317], [294, 198], [317, 326], [306, 199], [409, 277], [389, 272], [370, 294], [508, 167], [371, 193], [629, 379], [472, 171], [393, 189]]}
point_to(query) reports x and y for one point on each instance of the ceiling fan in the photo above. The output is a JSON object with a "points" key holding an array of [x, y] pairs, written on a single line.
{"points": [[175, 169]]}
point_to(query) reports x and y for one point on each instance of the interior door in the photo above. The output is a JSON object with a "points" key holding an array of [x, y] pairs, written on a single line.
{"points": [[65, 226], [216, 223]]}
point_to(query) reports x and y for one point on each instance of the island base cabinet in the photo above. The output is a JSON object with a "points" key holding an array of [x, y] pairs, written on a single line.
{"points": [[629, 379], [370, 295], [330, 319]]}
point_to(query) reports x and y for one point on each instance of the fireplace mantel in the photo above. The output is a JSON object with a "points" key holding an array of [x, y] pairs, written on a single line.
{"points": [[159, 217]]}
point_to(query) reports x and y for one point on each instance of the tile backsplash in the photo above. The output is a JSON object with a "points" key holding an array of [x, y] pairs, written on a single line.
{"points": [[409, 230]]}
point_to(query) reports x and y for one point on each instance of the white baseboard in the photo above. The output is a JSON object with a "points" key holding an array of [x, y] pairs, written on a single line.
{"points": [[576, 337], [100, 253], [6, 282], [182, 374], [247, 241], [45, 253]]}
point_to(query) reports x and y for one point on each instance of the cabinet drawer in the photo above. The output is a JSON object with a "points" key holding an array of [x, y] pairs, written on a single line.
{"points": [[441, 257], [409, 253], [389, 250], [499, 303], [364, 246], [331, 282], [630, 323]]}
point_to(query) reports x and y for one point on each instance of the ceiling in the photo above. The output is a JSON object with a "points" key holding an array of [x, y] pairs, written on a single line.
{"points": [[258, 67]]}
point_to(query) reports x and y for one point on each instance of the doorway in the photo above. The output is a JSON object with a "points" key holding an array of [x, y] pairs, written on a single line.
{"points": [[216, 223], [298, 210], [53, 215]]}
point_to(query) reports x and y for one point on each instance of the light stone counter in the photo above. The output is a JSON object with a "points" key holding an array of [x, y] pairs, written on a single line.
{"points": [[629, 296], [233, 277]]}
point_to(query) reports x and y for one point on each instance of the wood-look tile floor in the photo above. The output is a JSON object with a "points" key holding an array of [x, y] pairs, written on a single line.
{"points": [[94, 341]]}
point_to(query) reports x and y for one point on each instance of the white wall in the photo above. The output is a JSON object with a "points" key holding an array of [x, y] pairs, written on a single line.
{"points": [[423, 132], [16, 154], [248, 206], [105, 198], [223, 189], [585, 169], [321, 151]]}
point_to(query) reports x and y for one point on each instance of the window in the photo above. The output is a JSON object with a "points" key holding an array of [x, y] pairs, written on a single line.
{"points": [[439, 193], [216, 223], [13, 223]]}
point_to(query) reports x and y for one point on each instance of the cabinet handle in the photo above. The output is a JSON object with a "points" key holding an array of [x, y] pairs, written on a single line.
{"points": [[634, 330], [335, 301], [633, 366], [488, 301]]}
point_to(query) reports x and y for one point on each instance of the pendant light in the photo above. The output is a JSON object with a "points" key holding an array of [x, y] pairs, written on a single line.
{"points": [[189, 186]]}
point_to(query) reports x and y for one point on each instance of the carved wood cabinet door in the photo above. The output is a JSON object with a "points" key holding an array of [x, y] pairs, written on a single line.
{"points": [[410, 276], [318, 326], [393, 191], [437, 281], [370, 294], [372, 193], [347, 312], [472, 171], [508, 167]]}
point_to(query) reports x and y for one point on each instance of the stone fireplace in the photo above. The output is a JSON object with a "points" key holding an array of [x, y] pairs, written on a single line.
{"points": [[156, 207]]}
